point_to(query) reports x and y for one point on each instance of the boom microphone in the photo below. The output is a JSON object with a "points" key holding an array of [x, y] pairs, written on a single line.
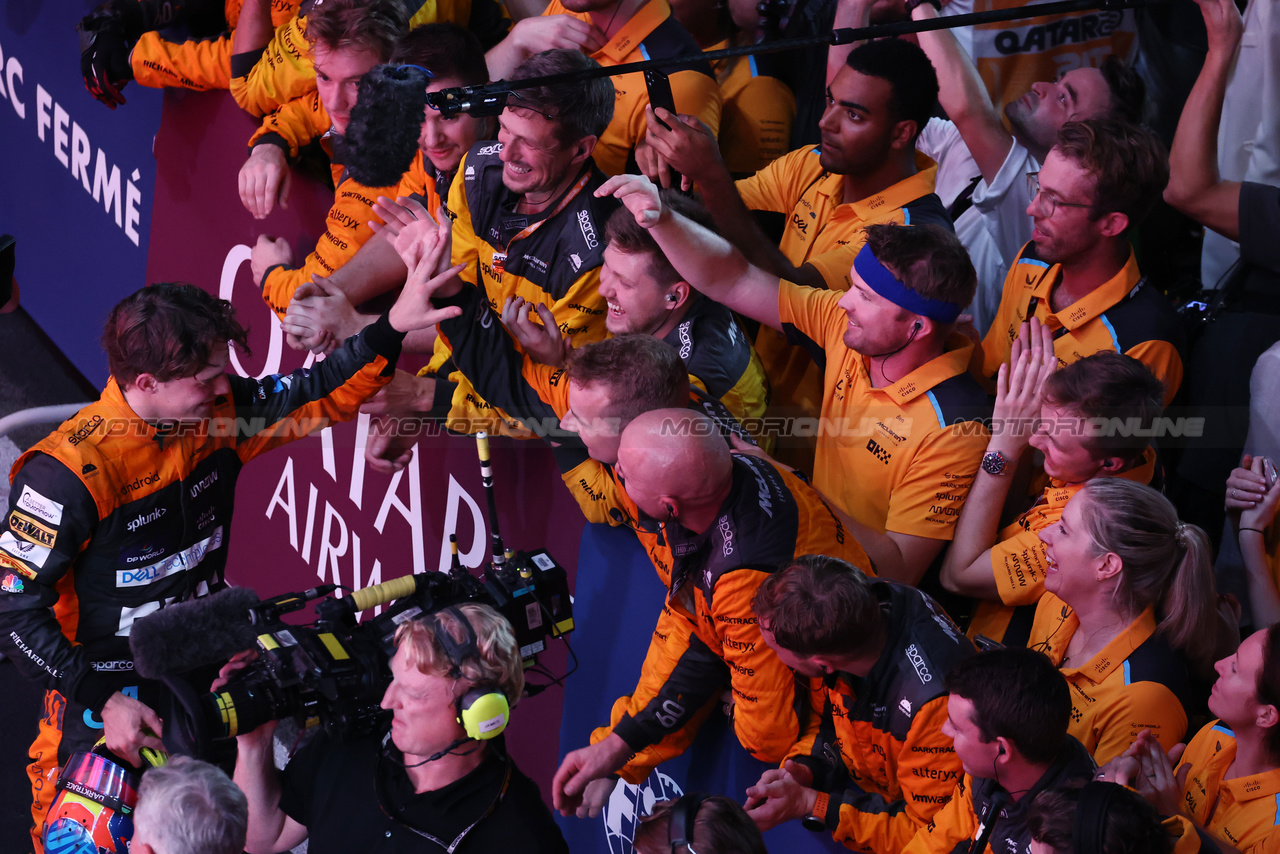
{"points": [[382, 136], [187, 635]]}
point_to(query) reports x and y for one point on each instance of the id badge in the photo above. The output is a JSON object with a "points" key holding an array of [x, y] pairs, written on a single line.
{"points": [[499, 262]]}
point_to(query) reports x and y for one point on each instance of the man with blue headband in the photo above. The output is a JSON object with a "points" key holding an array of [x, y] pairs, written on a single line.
{"points": [[900, 438]]}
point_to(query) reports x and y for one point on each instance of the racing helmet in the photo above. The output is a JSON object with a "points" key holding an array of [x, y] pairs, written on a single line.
{"points": [[93, 810]]}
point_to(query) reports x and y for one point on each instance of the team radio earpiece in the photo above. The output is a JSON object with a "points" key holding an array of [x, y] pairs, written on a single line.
{"points": [[483, 710], [672, 297]]}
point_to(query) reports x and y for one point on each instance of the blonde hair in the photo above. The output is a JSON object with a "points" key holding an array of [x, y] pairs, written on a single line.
{"points": [[499, 662], [1164, 561]]}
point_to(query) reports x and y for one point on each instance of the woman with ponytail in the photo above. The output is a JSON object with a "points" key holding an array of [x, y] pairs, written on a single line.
{"points": [[1129, 604], [1227, 781]]}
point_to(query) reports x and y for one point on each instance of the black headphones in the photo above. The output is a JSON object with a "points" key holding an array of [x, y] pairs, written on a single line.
{"points": [[483, 710], [672, 298], [683, 815]]}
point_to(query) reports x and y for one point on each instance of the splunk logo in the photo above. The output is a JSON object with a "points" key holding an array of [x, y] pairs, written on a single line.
{"points": [[146, 519]]}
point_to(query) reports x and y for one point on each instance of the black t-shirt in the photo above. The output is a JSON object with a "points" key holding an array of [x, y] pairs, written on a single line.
{"points": [[330, 788]]}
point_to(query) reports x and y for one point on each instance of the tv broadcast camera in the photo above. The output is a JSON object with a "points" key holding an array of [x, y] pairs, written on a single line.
{"points": [[334, 672]]}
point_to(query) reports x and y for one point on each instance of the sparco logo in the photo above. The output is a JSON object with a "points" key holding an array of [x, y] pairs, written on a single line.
{"points": [[83, 433], [111, 666], [726, 534], [208, 480], [917, 661], [139, 482], [489, 149], [588, 229], [146, 519]]}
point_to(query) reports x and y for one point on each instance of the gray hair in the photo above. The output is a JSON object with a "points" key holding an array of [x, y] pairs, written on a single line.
{"points": [[191, 807]]}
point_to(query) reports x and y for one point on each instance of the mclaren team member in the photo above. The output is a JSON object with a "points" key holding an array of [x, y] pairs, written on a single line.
{"points": [[891, 357], [624, 31], [321, 316], [1005, 567], [1079, 274], [608, 382], [644, 294], [864, 172], [127, 506], [525, 222], [265, 61], [730, 520], [1227, 779], [1007, 717], [348, 38], [873, 765]]}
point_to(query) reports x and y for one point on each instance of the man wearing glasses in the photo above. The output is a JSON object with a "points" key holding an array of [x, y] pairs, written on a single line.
{"points": [[1078, 274]]}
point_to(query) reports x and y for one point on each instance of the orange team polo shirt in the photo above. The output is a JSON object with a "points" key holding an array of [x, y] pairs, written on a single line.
{"points": [[899, 458], [1243, 811], [755, 122], [1018, 559], [1116, 695], [1125, 315], [823, 231], [652, 33]]}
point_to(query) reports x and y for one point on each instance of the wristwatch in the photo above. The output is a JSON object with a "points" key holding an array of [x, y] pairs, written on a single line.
{"points": [[995, 463], [816, 820], [912, 4]]}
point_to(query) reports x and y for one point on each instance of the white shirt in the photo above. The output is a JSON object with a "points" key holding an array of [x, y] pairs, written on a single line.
{"points": [[997, 226], [1249, 133]]}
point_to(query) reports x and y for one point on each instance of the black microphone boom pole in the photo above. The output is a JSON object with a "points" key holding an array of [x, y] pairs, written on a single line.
{"points": [[491, 98]]}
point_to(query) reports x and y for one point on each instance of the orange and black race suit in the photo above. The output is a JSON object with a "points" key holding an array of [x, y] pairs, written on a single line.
{"points": [[110, 519], [549, 258], [293, 127], [876, 742], [263, 80], [708, 639], [978, 801], [536, 396]]}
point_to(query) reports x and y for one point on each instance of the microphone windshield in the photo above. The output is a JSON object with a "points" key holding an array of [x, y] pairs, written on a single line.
{"points": [[382, 136], [196, 633]]}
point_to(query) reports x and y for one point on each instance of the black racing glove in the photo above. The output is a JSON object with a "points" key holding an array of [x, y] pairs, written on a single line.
{"points": [[107, 35]]}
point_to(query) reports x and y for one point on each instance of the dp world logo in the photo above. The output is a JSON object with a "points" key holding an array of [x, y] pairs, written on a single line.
{"points": [[628, 804]]}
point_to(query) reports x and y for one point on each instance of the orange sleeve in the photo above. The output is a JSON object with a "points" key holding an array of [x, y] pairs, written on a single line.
{"points": [[927, 771], [1019, 563], [1164, 361], [282, 72], [927, 502], [346, 230], [775, 188], [814, 313], [755, 126], [201, 64], [764, 716], [996, 343], [671, 640], [294, 125]]}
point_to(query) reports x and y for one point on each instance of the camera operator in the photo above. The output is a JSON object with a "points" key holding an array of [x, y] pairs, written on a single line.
{"points": [[127, 506], [188, 807], [427, 784]]}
